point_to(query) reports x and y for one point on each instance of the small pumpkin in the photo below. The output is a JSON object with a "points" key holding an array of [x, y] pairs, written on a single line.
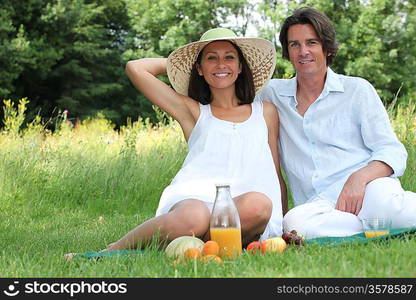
{"points": [[178, 246]]}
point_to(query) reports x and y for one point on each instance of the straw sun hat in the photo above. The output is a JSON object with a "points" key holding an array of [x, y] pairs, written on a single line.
{"points": [[259, 53]]}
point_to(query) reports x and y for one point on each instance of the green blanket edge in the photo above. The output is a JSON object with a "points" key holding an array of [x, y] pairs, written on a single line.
{"points": [[322, 241], [114, 253], [360, 237]]}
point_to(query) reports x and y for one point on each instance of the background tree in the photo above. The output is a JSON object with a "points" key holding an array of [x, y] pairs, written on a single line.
{"points": [[159, 27], [15, 48], [70, 54], [377, 40], [382, 47]]}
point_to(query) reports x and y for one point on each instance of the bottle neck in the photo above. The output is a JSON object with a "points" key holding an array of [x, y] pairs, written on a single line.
{"points": [[224, 213], [223, 194]]}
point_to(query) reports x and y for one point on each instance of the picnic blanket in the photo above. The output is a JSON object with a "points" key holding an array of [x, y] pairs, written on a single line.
{"points": [[114, 253], [322, 241], [360, 237]]}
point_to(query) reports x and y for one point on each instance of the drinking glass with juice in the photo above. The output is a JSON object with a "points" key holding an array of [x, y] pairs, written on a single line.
{"points": [[374, 227]]}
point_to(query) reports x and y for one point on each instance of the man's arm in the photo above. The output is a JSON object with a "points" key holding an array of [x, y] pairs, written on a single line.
{"points": [[352, 195], [388, 155]]}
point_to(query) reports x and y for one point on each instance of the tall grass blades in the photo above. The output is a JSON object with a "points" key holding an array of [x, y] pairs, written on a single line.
{"points": [[14, 118], [83, 185]]}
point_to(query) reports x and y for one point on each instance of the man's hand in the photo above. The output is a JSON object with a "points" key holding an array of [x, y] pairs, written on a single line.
{"points": [[352, 195]]}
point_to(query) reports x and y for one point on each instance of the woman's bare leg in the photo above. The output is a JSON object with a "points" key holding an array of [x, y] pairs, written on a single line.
{"points": [[188, 217], [255, 210]]}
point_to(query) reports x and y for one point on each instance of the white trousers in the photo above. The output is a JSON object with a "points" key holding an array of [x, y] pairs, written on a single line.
{"points": [[384, 198]]}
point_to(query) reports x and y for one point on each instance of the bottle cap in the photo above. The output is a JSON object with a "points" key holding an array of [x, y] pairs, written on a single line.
{"points": [[224, 184]]}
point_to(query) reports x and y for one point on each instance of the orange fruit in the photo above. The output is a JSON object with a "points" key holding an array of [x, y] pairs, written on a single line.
{"points": [[211, 248], [254, 247], [192, 253], [276, 244], [211, 257], [177, 261]]}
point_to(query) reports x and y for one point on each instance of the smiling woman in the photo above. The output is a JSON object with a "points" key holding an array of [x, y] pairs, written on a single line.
{"points": [[230, 138], [232, 67], [219, 64]]}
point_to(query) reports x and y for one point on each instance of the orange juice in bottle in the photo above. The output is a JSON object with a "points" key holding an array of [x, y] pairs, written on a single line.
{"points": [[225, 226], [229, 240]]}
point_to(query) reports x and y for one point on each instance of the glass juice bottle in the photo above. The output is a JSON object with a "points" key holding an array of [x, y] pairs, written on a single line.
{"points": [[225, 226]]}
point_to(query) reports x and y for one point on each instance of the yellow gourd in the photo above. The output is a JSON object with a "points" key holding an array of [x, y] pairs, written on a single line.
{"points": [[178, 246]]}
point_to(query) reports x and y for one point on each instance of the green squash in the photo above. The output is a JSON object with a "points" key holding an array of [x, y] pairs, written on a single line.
{"points": [[178, 246]]}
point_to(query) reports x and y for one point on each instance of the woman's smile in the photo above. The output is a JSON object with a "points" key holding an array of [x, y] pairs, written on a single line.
{"points": [[222, 74], [220, 64]]}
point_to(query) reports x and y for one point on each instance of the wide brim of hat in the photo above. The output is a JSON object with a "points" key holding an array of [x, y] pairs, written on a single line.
{"points": [[259, 53]]}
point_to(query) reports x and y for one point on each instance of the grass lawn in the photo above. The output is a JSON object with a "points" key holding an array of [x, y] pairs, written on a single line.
{"points": [[79, 189]]}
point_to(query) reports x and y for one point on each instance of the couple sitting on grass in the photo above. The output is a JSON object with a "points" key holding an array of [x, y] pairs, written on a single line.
{"points": [[330, 132]]}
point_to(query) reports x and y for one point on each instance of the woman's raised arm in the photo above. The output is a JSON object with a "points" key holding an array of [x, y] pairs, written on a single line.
{"points": [[142, 73]]}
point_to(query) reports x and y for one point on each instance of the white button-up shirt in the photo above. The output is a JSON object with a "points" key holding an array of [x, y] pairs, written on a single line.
{"points": [[342, 131]]}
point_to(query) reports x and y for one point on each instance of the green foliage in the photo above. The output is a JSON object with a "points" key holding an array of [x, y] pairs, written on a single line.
{"points": [[273, 14], [162, 26], [377, 40], [89, 164], [383, 47], [14, 118], [14, 51], [67, 55], [70, 55], [404, 121]]}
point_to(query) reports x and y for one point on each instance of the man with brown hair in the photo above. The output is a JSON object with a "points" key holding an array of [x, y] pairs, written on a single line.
{"points": [[337, 146]]}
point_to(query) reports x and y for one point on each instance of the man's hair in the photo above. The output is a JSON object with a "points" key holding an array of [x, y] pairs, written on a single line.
{"points": [[198, 88], [323, 28]]}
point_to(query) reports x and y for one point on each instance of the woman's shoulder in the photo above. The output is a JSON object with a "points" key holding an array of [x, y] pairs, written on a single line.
{"points": [[270, 113], [268, 107]]}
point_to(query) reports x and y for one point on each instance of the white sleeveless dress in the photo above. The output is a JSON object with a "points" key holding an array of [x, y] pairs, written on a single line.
{"points": [[227, 152]]}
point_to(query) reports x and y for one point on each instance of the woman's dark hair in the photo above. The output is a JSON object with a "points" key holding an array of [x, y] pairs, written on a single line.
{"points": [[323, 28], [198, 88]]}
